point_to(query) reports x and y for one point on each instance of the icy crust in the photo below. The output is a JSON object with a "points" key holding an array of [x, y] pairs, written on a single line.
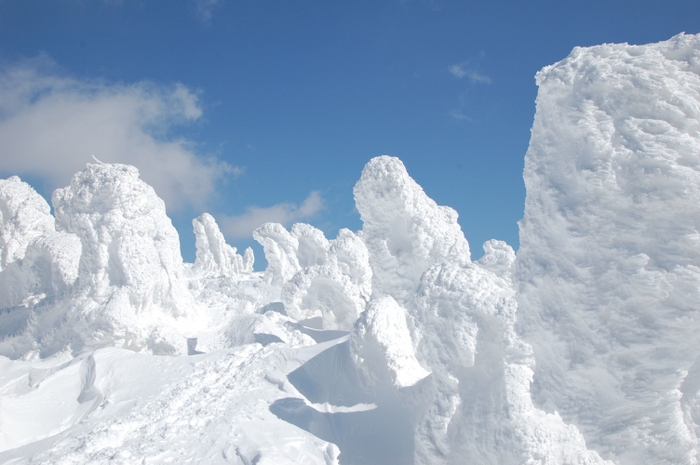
{"points": [[214, 256], [609, 260], [405, 231], [24, 215]]}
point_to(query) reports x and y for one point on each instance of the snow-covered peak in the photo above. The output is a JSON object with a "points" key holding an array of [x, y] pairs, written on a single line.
{"points": [[214, 255], [405, 231], [24, 215]]}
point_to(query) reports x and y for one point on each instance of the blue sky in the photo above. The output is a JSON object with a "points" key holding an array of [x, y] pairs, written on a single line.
{"points": [[268, 110]]}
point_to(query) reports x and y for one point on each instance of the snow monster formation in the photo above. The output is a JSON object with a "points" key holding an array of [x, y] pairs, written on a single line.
{"points": [[608, 271], [438, 317], [106, 271], [388, 345]]}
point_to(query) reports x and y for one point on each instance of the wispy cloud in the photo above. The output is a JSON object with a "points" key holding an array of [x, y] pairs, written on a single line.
{"points": [[51, 124], [242, 226], [462, 70], [456, 114], [205, 8]]}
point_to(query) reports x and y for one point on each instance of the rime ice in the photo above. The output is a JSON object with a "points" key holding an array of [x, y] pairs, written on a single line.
{"points": [[387, 345]]}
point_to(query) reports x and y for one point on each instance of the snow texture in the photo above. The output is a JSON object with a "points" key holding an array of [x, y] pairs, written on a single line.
{"points": [[405, 231], [382, 337], [609, 263], [386, 345], [214, 256], [25, 215], [319, 278]]}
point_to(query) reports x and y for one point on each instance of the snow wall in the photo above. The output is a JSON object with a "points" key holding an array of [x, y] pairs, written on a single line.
{"points": [[387, 345], [607, 274]]}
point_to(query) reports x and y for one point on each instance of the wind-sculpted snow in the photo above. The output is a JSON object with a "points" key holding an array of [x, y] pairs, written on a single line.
{"points": [[130, 249], [110, 273], [405, 231], [387, 345], [451, 355], [24, 215], [383, 341], [116, 406], [49, 268], [280, 249], [434, 366], [481, 411], [319, 278], [214, 256], [609, 263]]}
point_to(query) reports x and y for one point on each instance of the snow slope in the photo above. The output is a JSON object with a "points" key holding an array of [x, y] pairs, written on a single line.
{"points": [[388, 345]]}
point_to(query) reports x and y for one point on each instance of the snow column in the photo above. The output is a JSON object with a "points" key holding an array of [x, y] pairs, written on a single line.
{"points": [[609, 261]]}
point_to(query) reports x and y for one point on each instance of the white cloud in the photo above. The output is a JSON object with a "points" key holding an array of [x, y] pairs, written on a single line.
{"points": [[242, 226], [51, 124], [460, 70]]}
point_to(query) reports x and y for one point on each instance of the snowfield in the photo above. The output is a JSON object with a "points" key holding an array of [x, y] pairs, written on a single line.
{"points": [[387, 345]]}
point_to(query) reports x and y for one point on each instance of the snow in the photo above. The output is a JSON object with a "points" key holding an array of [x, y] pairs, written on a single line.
{"points": [[381, 336], [608, 267], [387, 345], [25, 216], [405, 230], [214, 256]]}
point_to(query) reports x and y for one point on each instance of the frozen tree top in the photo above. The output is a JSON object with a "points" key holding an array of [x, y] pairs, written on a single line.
{"points": [[24, 215]]}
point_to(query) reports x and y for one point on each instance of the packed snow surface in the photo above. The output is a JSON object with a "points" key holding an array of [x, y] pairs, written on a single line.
{"points": [[387, 345]]}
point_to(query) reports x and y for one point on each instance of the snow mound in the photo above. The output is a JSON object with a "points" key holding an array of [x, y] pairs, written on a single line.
{"points": [[130, 249], [381, 336], [609, 261]]}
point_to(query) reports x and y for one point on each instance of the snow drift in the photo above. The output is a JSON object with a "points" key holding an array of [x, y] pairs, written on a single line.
{"points": [[388, 345]]}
